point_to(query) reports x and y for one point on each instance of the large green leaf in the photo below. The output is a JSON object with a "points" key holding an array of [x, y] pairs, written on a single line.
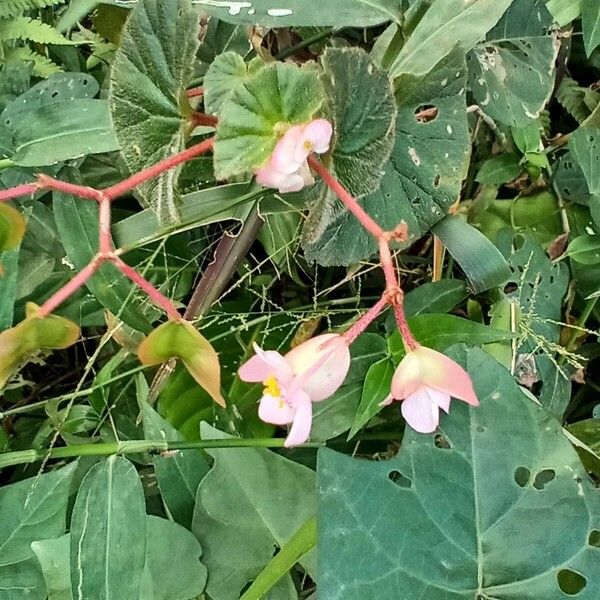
{"points": [[63, 130], [108, 532], [77, 222], [444, 26], [9, 271], [423, 176], [178, 476], [32, 509], [590, 21], [53, 556], [360, 104], [250, 502], [464, 515], [511, 74], [295, 13], [150, 73], [277, 95]]}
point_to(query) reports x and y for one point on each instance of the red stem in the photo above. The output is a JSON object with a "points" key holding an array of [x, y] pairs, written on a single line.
{"points": [[366, 319], [200, 118], [25, 189], [195, 92], [155, 296], [114, 191], [342, 193], [407, 337], [49, 183], [70, 288], [104, 219], [391, 280]]}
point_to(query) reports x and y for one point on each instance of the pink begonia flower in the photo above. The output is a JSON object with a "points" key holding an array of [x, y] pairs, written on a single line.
{"points": [[425, 380], [310, 372], [287, 169]]}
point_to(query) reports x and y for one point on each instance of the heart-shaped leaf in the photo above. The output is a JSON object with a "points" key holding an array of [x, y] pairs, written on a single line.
{"points": [[439, 520]]}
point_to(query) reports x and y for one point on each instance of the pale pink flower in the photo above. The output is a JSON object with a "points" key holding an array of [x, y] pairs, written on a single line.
{"points": [[425, 380], [310, 372], [287, 169]]}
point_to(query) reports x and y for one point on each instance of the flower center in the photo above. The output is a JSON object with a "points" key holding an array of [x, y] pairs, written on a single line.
{"points": [[271, 387], [308, 145]]}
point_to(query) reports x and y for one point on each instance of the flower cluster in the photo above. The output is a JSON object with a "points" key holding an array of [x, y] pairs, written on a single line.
{"points": [[287, 169]]}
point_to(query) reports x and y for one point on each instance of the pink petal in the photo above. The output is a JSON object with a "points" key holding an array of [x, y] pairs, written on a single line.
{"points": [[319, 133], [307, 176], [269, 176], [443, 374], [420, 413], [302, 423], [441, 399], [407, 377], [275, 410], [265, 364], [287, 156], [284, 182], [320, 365]]}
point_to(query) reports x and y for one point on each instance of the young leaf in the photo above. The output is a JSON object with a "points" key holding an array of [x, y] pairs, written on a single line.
{"points": [[107, 558], [12, 227], [11, 8], [182, 340], [151, 71], [538, 479], [277, 96], [499, 169], [26, 28]]}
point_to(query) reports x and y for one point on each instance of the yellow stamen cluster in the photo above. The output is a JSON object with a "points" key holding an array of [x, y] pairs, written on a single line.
{"points": [[271, 387]]}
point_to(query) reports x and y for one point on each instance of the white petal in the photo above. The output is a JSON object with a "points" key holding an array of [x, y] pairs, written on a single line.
{"points": [[420, 412]]}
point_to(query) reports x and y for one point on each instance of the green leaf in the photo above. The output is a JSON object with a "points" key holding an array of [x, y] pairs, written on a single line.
{"points": [[297, 13], [435, 297], [361, 106], [53, 556], [590, 21], [375, 390], [226, 74], [12, 227], [564, 11], [278, 95], [482, 263], [34, 30], [10, 8], [442, 28], [9, 272], [108, 532], [151, 71], [499, 169], [251, 501], [585, 250], [23, 56], [511, 74], [62, 131], [585, 149], [173, 561], [77, 222], [437, 525], [179, 475], [442, 331], [424, 174], [538, 286], [223, 37]]}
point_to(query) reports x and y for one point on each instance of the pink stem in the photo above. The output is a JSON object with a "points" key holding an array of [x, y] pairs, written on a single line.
{"points": [[70, 288], [365, 320], [21, 190], [349, 201], [407, 337], [155, 296], [194, 92], [114, 191], [49, 183], [200, 118], [391, 280], [105, 239]]}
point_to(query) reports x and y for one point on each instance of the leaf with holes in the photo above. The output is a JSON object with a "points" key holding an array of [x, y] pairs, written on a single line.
{"points": [[108, 532], [251, 501], [512, 73], [278, 95], [444, 27], [538, 286], [296, 13], [423, 176], [437, 524], [361, 106], [150, 73]]}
